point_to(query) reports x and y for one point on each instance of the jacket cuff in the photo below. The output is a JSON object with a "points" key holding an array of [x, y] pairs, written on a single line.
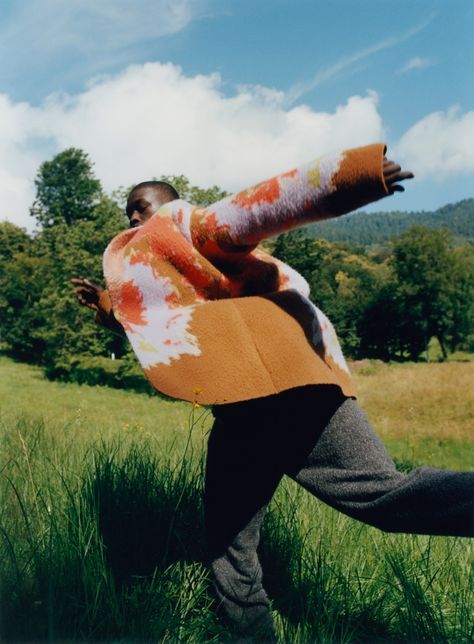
{"points": [[358, 181]]}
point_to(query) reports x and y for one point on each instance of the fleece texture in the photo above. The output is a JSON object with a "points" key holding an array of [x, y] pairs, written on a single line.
{"points": [[214, 319]]}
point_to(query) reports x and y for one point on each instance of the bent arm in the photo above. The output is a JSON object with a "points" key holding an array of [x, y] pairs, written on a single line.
{"points": [[328, 187], [97, 299], [105, 315]]}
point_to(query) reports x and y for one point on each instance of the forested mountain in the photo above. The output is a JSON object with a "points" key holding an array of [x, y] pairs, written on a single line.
{"points": [[375, 228]]}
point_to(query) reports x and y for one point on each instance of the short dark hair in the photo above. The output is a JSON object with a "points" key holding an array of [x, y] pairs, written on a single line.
{"points": [[165, 189]]}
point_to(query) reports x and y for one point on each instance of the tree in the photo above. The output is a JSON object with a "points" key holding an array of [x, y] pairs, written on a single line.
{"points": [[434, 289], [13, 240], [20, 274], [460, 333], [74, 251], [342, 283], [66, 189], [194, 194]]}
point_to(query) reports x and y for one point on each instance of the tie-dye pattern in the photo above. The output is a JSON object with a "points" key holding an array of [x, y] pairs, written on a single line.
{"points": [[166, 278]]}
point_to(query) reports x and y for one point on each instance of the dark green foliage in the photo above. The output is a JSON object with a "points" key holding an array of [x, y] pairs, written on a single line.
{"points": [[121, 373], [40, 319], [20, 317], [194, 194], [66, 189], [435, 289], [342, 283], [76, 251], [13, 240], [390, 305]]}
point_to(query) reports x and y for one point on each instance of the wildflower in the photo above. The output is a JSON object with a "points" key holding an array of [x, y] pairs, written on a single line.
{"points": [[197, 391]]}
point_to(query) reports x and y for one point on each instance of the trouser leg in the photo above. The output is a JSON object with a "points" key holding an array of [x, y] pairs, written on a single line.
{"points": [[239, 484], [326, 444], [250, 446], [350, 470]]}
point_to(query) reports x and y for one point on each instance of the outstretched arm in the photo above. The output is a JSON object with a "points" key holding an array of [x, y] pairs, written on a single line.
{"points": [[328, 187], [97, 299]]}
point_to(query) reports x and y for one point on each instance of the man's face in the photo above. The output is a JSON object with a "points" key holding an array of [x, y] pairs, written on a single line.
{"points": [[142, 203]]}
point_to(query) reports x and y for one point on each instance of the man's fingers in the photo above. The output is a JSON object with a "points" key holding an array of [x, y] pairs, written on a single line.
{"points": [[406, 174], [390, 166], [397, 176], [80, 281], [84, 301], [86, 296], [393, 174]]}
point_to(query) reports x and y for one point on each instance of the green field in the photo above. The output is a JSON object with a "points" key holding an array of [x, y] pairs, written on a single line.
{"points": [[101, 520]]}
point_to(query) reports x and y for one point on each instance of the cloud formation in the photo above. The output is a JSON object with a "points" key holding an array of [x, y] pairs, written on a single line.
{"points": [[440, 145], [417, 62], [152, 119], [82, 38], [118, 23]]}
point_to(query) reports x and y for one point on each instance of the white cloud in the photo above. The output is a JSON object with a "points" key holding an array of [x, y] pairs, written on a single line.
{"points": [[152, 120], [19, 159], [415, 63], [440, 145], [85, 37], [117, 23]]}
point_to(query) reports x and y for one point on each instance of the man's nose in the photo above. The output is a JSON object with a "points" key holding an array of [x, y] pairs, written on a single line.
{"points": [[135, 218]]}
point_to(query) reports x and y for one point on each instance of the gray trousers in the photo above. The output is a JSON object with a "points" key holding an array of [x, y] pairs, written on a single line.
{"points": [[325, 442]]}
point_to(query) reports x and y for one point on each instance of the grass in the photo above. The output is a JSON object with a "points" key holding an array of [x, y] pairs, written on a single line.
{"points": [[423, 412], [101, 521]]}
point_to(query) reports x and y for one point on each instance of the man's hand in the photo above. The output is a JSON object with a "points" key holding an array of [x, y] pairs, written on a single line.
{"points": [[392, 174], [88, 294]]}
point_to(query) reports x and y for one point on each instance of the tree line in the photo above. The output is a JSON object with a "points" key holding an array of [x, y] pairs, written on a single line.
{"points": [[387, 303], [371, 229]]}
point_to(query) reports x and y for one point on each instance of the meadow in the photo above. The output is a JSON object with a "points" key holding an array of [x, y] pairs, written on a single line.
{"points": [[101, 520]]}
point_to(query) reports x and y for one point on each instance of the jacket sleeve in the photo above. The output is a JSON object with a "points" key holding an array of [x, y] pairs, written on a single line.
{"points": [[328, 187], [105, 315]]}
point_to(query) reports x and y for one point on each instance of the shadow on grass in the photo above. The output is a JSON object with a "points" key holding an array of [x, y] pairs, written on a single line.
{"points": [[306, 588], [149, 513]]}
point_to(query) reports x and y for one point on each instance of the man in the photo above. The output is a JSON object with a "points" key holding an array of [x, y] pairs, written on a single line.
{"points": [[211, 317], [143, 201]]}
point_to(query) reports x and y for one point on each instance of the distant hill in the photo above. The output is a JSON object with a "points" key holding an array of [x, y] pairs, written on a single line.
{"points": [[365, 228]]}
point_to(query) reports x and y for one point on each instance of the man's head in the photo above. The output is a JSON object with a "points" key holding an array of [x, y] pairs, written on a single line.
{"points": [[146, 198]]}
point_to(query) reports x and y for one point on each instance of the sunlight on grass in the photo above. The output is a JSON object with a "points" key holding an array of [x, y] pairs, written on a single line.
{"points": [[423, 412], [79, 414]]}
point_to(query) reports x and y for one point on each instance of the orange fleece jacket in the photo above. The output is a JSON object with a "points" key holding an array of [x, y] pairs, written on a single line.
{"points": [[214, 319]]}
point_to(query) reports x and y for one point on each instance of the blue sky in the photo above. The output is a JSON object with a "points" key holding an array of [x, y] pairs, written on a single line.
{"points": [[232, 91]]}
